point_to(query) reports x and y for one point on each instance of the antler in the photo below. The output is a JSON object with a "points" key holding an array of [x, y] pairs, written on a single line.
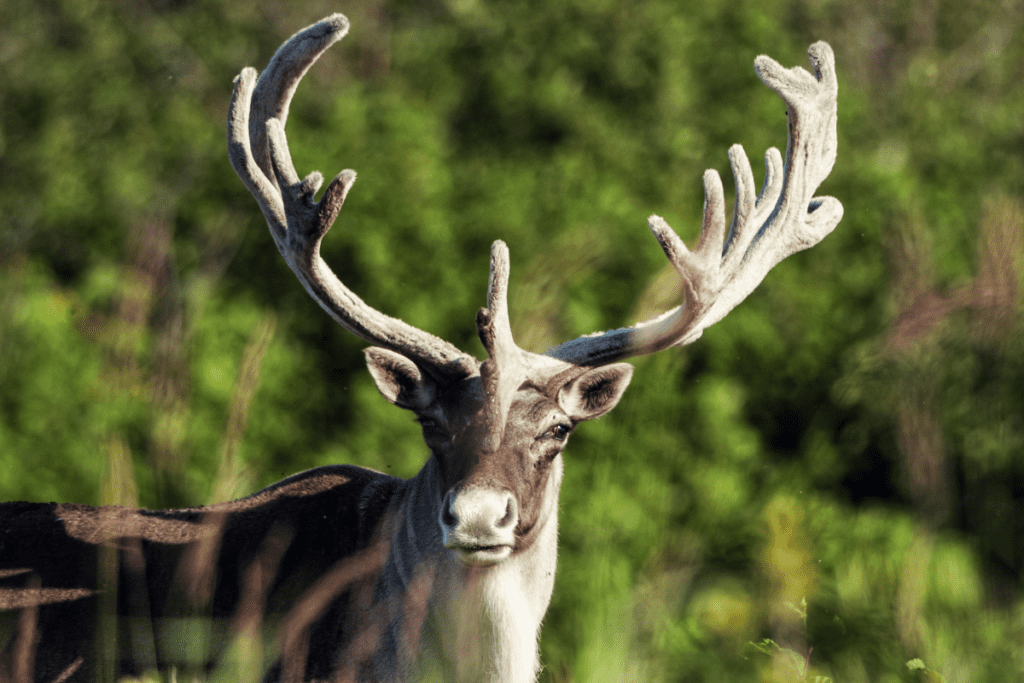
{"points": [[716, 276], [784, 219], [259, 153]]}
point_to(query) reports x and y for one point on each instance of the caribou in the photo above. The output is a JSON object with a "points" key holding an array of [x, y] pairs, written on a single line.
{"points": [[351, 574]]}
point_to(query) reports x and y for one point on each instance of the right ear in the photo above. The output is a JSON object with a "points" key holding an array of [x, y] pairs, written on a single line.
{"points": [[595, 392], [399, 379]]}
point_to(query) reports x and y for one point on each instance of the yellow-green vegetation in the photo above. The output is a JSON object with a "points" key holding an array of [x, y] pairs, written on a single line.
{"points": [[828, 486]]}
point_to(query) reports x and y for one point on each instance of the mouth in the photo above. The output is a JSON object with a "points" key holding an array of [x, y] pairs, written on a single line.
{"points": [[482, 555]]}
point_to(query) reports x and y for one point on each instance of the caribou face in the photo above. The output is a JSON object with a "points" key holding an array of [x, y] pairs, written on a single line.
{"points": [[497, 437]]}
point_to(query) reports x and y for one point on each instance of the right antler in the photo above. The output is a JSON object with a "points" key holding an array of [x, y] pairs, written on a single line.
{"points": [[783, 220], [259, 153]]}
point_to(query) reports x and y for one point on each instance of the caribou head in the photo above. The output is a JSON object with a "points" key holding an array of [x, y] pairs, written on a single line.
{"points": [[450, 572], [497, 427], [497, 430]]}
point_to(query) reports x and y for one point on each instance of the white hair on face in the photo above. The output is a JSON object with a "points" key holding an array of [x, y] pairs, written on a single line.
{"points": [[485, 629]]}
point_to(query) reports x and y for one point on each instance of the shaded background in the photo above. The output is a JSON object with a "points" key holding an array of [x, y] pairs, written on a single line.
{"points": [[835, 467]]}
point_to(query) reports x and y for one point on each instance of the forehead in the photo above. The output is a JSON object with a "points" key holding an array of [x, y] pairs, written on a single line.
{"points": [[530, 404], [466, 399]]}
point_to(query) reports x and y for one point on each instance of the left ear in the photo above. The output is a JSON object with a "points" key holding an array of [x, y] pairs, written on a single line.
{"points": [[399, 379], [595, 392]]}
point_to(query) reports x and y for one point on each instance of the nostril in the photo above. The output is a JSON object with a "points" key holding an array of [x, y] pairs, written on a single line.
{"points": [[447, 518], [511, 516]]}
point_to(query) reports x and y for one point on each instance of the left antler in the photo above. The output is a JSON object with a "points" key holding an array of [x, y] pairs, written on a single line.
{"points": [[784, 219], [259, 154]]}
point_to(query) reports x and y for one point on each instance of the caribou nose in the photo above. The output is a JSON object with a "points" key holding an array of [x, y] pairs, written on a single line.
{"points": [[479, 524]]}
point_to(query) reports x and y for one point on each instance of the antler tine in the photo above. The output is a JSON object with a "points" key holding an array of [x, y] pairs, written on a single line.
{"points": [[492, 322], [258, 150], [784, 219]]}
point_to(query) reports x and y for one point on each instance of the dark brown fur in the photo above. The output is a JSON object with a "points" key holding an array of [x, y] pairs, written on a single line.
{"points": [[325, 515]]}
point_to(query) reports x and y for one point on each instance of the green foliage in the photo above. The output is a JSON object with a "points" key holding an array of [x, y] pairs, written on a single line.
{"points": [[926, 674], [850, 435]]}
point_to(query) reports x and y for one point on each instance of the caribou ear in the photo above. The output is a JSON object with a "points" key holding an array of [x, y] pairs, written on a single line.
{"points": [[399, 380], [595, 392]]}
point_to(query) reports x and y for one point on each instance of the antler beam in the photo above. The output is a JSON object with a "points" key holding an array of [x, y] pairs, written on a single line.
{"points": [[258, 150], [784, 219]]}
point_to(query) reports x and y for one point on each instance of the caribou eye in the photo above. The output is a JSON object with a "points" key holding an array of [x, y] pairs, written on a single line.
{"points": [[560, 432]]}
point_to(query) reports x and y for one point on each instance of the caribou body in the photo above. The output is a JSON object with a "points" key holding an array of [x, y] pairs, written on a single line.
{"points": [[357, 575]]}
